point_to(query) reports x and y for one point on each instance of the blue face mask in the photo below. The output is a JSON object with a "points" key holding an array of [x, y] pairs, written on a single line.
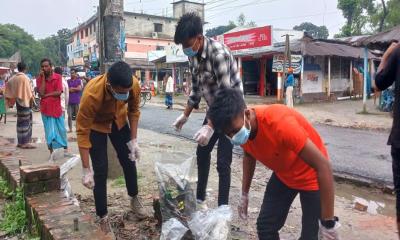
{"points": [[121, 96], [189, 51], [242, 136]]}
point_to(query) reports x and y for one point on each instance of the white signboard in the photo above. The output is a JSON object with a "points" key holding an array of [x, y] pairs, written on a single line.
{"points": [[277, 64], [175, 54]]}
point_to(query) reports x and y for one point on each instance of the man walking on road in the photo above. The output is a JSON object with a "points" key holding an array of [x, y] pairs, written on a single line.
{"points": [[285, 142], [107, 103], [387, 74], [289, 88], [20, 91], [213, 67], [169, 91], [50, 90], [75, 90]]}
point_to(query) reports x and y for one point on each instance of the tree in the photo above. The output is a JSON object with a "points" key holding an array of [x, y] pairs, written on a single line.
{"points": [[315, 31], [241, 22], [56, 46], [356, 14], [220, 30], [15, 39]]}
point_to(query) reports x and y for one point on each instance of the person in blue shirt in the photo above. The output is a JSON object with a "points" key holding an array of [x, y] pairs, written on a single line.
{"points": [[289, 88]]}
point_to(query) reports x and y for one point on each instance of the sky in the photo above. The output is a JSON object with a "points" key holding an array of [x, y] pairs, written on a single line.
{"points": [[42, 18]]}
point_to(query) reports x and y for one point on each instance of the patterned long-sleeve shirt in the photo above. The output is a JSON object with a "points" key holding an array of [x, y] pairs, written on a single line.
{"points": [[215, 69]]}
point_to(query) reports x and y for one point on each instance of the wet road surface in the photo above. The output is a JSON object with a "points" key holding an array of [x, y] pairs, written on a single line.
{"points": [[359, 153]]}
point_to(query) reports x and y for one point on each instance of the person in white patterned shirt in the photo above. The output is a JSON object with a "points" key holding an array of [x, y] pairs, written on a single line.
{"points": [[213, 67]]}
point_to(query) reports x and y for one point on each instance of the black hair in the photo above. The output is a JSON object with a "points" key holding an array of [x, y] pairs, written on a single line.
{"points": [[227, 105], [46, 60], [58, 70], [120, 74], [72, 69], [189, 26], [21, 66]]}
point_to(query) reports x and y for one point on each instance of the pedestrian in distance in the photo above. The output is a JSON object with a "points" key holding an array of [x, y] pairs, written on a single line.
{"points": [[75, 92], [388, 73], [212, 67], [169, 91], [50, 88], [108, 101], [285, 142], [289, 84], [20, 91]]}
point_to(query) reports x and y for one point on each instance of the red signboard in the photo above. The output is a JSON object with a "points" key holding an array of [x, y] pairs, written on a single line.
{"points": [[251, 38]]}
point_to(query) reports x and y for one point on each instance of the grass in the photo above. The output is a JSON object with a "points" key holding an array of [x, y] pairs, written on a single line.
{"points": [[15, 220], [120, 181]]}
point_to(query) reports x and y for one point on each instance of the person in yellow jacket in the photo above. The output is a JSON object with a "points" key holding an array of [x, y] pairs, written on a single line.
{"points": [[107, 103]]}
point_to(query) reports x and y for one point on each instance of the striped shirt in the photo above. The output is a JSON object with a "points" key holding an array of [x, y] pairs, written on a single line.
{"points": [[215, 69]]}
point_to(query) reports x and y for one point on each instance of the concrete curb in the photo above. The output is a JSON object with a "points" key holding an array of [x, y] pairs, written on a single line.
{"points": [[50, 212]]}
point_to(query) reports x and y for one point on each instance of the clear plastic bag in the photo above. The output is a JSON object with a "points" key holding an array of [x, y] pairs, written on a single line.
{"points": [[211, 224], [57, 154], [173, 230], [175, 171], [64, 169]]}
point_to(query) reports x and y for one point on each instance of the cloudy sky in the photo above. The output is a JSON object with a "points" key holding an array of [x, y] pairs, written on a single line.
{"points": [[42, 18]]}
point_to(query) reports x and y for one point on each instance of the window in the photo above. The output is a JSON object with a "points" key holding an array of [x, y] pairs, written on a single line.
{"points": [[82, 34], [94, 27], [158, 27], [90, 30], [158, 48], [86, 32]]}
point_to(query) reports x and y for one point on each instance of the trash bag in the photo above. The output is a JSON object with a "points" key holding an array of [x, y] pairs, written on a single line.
{"points": [[211, 224], [175, 171], [172, 229]]}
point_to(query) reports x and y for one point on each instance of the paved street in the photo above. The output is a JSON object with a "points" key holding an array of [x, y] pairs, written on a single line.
{"points": [[359, 153]]}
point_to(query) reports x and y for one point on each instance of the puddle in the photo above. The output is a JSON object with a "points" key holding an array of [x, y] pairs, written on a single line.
{"points": [[376, 201]]}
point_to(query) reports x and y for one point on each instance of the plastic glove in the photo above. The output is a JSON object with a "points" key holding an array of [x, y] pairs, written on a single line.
{"points": [[203, 136], [243, 206], [133, 146], [87, 178], [178, 124], [329, 234]]}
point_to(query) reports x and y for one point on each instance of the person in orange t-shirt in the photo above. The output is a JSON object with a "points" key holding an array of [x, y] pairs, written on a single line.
{"points": [[284, 141]]}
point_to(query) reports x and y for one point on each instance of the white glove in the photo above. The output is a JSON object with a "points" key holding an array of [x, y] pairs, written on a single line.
{"points": [[203, 136], [178, 124], [135, 151], [87, 178], [329, 234], [243, 206]]}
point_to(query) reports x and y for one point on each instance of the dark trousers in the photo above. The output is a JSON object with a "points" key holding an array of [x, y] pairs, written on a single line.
{"points": [[224, 160], [396, 178], [275, 207], [72, 113], [98, 154]]}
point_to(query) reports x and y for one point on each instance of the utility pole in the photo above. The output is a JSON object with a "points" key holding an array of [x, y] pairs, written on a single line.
{"points": [[112, 46], [112, 42], [287, 56]]}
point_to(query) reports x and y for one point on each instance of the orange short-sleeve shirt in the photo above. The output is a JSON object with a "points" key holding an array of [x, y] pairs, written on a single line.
{"points": [[281, 135]]}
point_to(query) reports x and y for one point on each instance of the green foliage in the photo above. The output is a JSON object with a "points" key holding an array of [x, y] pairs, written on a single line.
{"points": [[119, 182], [241, 22], [15, 220], [14, 38], [4, 189], [315, 31], [368, 16]]}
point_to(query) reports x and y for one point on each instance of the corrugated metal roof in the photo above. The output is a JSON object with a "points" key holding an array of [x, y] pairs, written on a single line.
{"points": [[381, 40]]}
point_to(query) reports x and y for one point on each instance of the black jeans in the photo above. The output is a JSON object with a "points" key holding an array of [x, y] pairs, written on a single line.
{"points": [[98, 154], [275, 207], [224, 160], [396, 178]]}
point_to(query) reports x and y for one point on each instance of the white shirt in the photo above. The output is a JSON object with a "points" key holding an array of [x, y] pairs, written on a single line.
{"points": [[170, 85], [64, 95]]}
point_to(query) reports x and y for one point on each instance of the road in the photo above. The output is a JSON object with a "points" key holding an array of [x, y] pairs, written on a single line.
{"points": [[359, 153]]}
